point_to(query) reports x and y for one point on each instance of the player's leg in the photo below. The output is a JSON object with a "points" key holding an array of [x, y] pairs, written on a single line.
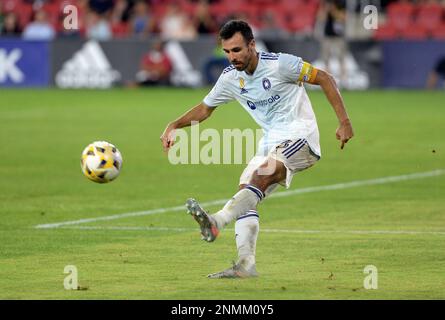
{"points": [[287, 159], [247, 224], [245, 200], [247, 218], [209, 225], [209, 230], [270, 172], [246, 234]]}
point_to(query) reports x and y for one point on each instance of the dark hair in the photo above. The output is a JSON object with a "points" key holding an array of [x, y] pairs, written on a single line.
{"points": [[233, 26]]}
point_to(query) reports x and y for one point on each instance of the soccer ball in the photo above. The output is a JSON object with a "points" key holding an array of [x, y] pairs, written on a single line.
{"points": [[101, 162]]}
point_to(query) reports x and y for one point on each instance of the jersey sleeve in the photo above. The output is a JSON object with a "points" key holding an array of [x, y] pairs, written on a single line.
{"points": [[219, 94], [294, 69]]}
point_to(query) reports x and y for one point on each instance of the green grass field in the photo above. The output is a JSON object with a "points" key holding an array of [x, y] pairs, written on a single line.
{"points": [[397, 226]]}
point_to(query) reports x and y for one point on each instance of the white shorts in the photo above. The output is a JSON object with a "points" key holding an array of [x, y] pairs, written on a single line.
{"points": [[296, 155]]}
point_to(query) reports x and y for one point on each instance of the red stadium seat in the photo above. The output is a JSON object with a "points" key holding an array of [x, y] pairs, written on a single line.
{"points": [[429, 16], [292, 6], [386, 32], [439, 32], [23, 11], [53, 12], [414, 32], [302, 19], [293, 3], [303, 24], [220, 11], [189, 8], [120, 30], [265, 2], [233, 3], [9, 5], [250, 11], [159, 11], [400, 15], [280, 16]]}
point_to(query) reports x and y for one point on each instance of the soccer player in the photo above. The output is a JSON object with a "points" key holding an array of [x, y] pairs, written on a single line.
{"points": [[269, 87]]}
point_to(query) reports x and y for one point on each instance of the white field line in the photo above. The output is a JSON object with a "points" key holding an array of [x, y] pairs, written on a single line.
{"points": [[346, 185], [266, 230]]}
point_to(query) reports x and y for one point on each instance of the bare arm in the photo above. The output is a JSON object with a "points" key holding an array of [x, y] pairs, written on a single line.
{"points": [[198, 113], [330, 89]]}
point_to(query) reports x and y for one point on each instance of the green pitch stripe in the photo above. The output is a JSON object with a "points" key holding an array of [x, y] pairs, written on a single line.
{"points": [[338, 186], [266, 230]]}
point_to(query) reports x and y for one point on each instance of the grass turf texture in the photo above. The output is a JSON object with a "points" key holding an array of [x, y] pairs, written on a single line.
{"points": [[43, 132]]}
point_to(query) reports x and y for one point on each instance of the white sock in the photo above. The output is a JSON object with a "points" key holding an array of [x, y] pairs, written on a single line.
{"points": [[247, 227], [243, 201]]}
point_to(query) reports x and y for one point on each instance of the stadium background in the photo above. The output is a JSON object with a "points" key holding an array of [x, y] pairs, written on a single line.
{"points": [[380, 201], [399, 54]]}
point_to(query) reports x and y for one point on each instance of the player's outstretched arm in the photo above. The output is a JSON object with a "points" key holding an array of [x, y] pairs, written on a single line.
{"points": [[344, 132], [198, 113]]}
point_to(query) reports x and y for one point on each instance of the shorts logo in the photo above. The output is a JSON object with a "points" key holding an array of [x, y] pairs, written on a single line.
{"points": [[251, 105], [242, 85], [266, 84], [284, 144]]}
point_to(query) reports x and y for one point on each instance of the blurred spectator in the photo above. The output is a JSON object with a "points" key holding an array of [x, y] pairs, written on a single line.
{"points": [[216, 63], [270, 28], [438, 73], [155, 68], [333, 44], [119, 11], [37, 4], [2, 17], [204, 22], [101, 6], [98, 27], [40, 28], [177, 25], [141, 23], [10, 26]]}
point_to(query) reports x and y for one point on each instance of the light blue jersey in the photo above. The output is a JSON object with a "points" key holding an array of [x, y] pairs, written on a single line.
{"points": [[273, 99]]}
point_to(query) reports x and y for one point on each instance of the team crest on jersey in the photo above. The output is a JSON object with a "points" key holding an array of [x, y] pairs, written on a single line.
{"points": [[242, 85], [266, 84]]}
